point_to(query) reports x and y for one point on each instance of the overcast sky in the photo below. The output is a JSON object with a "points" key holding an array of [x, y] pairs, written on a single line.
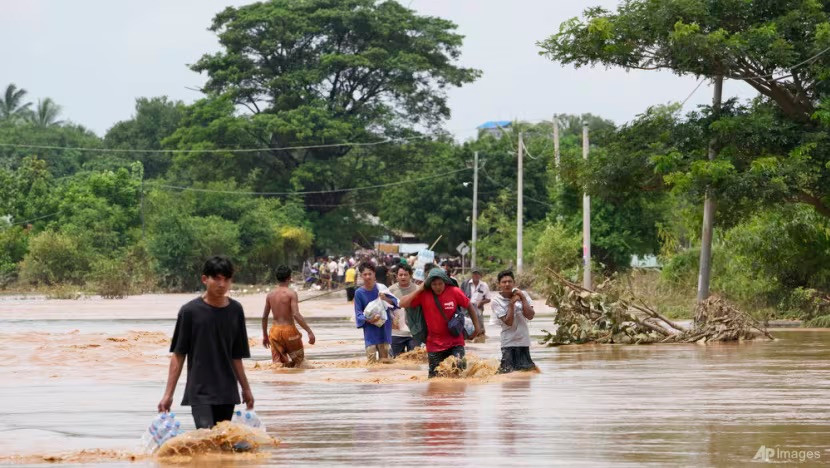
{"points": [[94, 57]]}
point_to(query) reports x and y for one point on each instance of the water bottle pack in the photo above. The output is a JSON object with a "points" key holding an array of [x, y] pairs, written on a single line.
{"points": [[248, 418], [163, 428]]}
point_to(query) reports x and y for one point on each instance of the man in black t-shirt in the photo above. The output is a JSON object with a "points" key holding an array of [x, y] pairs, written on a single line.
{"points": [[210, 332]]}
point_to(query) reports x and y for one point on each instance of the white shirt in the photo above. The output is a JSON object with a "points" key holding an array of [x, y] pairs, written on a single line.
{"points": [[479, 292], [517, 334], [341, 268], [332, 266]]}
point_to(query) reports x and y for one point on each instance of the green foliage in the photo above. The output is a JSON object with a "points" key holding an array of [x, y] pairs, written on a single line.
{"points": [[55, 258], [314, 72], [110, 278], [12, 107], [14, 242], [155, 119], [45, 114], [559, 249]]}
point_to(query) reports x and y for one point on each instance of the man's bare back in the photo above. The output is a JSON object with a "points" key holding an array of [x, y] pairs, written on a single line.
{"points": [[284, 339], [282, 301]]}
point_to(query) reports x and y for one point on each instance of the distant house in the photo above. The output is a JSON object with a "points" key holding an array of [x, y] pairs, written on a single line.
{"points": [[494, 128], [395, 241]]}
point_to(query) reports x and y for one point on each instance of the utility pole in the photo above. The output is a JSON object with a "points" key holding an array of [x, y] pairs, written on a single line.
{"points": [[475, 211], [143, 227], [556, 147], [520, 208], [709, 209], [586, 219]]}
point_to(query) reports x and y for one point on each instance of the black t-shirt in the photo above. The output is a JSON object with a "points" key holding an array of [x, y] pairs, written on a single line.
{"points": [[211, 337]]}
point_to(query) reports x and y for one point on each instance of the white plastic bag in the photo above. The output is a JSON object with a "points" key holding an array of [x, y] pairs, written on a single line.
{"points": [[375, 312], [469, 327]]}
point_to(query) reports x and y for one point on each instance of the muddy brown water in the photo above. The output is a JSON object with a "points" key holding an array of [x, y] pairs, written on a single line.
{"points": [[87, 374]]}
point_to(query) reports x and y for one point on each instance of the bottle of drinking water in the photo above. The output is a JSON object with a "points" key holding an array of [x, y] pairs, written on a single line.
{"points": [[163, 427], [172, 430], [248, 418]]}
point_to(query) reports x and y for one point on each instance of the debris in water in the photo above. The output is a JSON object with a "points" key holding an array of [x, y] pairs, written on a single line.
{"points": [[418, 354], [610, 314], [474, 368]]}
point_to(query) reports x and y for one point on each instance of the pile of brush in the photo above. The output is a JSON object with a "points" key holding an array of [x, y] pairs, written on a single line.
{"points": [[609, 314]]}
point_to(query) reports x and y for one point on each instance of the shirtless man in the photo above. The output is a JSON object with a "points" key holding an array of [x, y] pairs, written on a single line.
{"points": [[284, 339]]}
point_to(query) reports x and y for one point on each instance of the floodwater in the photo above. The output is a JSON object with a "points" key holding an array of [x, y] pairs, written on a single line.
{"points": [[88, 374]]}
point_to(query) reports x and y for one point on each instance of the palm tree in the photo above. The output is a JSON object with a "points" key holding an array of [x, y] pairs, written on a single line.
{"points": [[46, 113], [12, 106]]}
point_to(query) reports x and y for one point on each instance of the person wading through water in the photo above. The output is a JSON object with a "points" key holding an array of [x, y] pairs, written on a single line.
{"points": [[210, 333], [402, 340], [514, 310], [377, 340], [440, 291], [284, 339]]}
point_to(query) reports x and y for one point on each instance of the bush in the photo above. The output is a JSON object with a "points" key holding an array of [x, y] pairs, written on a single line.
{"points": [[558, 249], [63, 291], [180, 245], [54, 258], [13, 244], [110, 278]]}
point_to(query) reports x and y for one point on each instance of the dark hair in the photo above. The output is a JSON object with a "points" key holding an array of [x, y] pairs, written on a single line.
{"points": [[283, 273], [364, 266], [506, 273], [381, 274], [405, 267], [218, 265], [428, 267]]}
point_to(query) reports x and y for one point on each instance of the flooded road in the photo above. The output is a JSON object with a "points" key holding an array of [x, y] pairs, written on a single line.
{"points": [[88, 374]]}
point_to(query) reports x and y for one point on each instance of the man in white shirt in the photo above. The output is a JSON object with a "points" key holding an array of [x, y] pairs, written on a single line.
{"points": [[514, 309], [332, 267], [479, 294], [342, 265]]}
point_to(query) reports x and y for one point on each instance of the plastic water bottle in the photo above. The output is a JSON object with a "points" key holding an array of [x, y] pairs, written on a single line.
{"points": [[173, 429], [251, 419], [161, 429], [248, 418]]}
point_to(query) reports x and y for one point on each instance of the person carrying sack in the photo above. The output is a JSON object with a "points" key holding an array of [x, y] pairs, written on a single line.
{"points": [[439, 300]]}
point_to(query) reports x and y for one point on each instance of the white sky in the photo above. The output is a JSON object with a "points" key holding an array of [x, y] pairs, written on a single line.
{"points": [[94, 57]]}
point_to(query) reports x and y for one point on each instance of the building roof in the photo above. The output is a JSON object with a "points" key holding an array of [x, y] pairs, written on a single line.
{"points": [[495, 124]]}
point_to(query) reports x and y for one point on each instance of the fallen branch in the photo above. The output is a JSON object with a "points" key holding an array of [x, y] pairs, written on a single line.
{"points": [[611, 315]]}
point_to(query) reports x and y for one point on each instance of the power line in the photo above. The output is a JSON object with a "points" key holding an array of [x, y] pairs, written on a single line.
{"points": [[214, 150], [35, 219], [693, 92], [310, 192]]}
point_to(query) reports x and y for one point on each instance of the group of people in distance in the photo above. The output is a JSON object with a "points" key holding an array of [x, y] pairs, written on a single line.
{"points": [[210, 330]]}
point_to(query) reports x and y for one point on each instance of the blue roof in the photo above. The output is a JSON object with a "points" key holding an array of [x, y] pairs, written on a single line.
{"points": [[495, 124]]}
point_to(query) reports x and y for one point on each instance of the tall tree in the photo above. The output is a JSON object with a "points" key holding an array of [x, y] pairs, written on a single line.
{"points": [[155, 119], [45, 114], [330, 71], [12, 106]]}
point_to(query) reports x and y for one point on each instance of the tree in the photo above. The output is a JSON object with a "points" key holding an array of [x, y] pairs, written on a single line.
{"points": [[12, 106], [328, 71], [155, 119], [780, 48], [45, 114], [758, 42]]}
